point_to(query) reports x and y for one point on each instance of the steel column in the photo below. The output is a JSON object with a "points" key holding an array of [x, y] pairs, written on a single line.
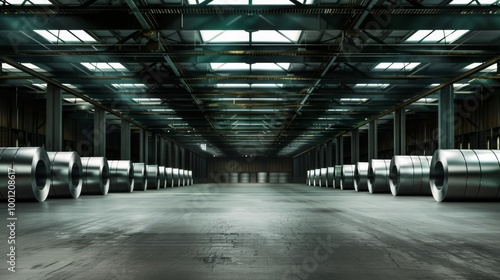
{"points": [[400, 132], [354, 146], [446, 118], [99, 132], [125, 141], [372, 141], [53, 138]]}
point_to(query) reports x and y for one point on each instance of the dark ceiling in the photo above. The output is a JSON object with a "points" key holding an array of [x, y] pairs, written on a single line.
{"points": [[250, 78]]}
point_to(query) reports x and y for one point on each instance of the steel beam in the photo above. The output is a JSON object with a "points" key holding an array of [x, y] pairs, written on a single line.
{"points": [[446, 118], [54, 138], [125, 140], [99, 132], [372, 140], [355, 146], [400, 132]]}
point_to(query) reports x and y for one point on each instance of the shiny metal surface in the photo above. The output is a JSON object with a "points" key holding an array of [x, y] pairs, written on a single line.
{"points": [[169, 177], [244, 177], [361, 177], [465, 175], [175, 177], [121, 176], [261, 177], [316, 178], [31, 166], [162, 176], [409, 175], [308, 177], [322, 177], [233, 178], [338, 176], [186, 177], [65, 174], [140, 179], [378, 176], [191, 177], [283, 177], [273, 177], [95, 175], [330, 177], [152, 173], [347, 180]]}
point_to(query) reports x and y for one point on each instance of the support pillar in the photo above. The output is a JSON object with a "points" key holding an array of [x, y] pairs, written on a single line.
{"points": [[354, 146], [154, 149], [341, 150], [372, 141], [146, 148], [329, 154], [142, 158], [99, 132], [170, 157], [163, 155], [53, 138], [176, 156], [400, 132], [446, 118], [125, 136]]}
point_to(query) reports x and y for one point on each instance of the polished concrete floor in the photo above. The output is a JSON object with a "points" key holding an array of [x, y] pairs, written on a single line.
{"points": [[254, 231]]}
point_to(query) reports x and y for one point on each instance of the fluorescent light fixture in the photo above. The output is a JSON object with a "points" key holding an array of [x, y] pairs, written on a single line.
{"points": [[246, 67], [250, 99], [491, 68], [148, 101], [271, 66], [467, 2], [252, 110], [280, 2], [232, 85], [229, 66], [44, 86], [104, 66], [30, 2], [455, 86], [203, 146], [9, 68], [242, 36], [397, 66], [338, 110], [271, 36], [224, 36], [353, 100], [161, 110], [129, 86], [422, 101], [378, 86], [74, 100], [247, 2], [267, 85], [436, 36], [66, 36]]}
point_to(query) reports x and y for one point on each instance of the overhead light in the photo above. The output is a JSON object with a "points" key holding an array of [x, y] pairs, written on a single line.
{"points": [[161, 110], [242, 36], [148, 101], [353, 100], [74, 100], [378, 86], [104, 66], [473, 2], [66, 36], [338, 110], [249, 99], [9, 68], [396, 66], [129, 86], [271, 66], [455, 86], [27, 3], [436, 36], [423, 101], [491, 68], [247, 2], [232, 85], [44, 86]]}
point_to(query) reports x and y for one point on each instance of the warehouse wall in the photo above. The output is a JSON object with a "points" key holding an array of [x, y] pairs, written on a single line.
{"points": [[251, 164]]}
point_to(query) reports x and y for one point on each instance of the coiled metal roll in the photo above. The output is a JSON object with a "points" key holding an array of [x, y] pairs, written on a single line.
{"points": [[140, 179], [261, 177], [347, 180], [409, 175], [378, 176], [316, 178], [169, 176], [361, 177], [29, 170], [182, 176], [322, 177], [244, 177], [283, 177], [121, 176], [161, 176], [175, 177], [152, 173], [273, 177], [233, 178], [338, 176], [330, 177], [465, 175], [66, 174], [308, 177], [95, 175], [191, 179]]}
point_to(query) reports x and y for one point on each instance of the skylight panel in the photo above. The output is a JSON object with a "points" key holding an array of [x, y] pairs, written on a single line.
{"points": [[161, 110], [232, 85], [148, 101], [353, 100], [267, 85], [279, 2], [247, 2], [66, 36], [44, 86], [397, 66], [426, 100], [227, 2], [229, 66], [10, 68], [271, 66], [491, 68], [224, 36], [74, 100], [30, 2], [418, 36], [436, 36], [338, 110], [129, 86], [271, 36], [104, 66], [455, 86], [379, 86], [467, 2]]}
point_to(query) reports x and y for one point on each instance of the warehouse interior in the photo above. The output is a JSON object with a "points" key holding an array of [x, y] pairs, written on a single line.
{"points": [[274, 120]]}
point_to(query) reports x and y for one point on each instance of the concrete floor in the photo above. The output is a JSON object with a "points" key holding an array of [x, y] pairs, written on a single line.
{"points": [[254, 231]]}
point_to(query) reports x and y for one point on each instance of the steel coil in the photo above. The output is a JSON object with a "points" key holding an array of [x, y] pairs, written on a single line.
{"points": [[140, 179], [322, 177], [316, 177], [338, 176], [186, 177], [169, 177], [261, 177], [26, 172], [121, 176], [378, 176], [66, 174], [152, 173], [409, 175], [175, 177], [182, 176], [244, 177], [465, 175], [162, 177], [95, 175], [283, 177], [330, 177], [273, 177], [347, 180], [361, 177], [191, 179], [233, 178], [308, 177]]}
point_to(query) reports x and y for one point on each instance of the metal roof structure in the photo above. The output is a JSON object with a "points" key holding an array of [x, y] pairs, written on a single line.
{"points": [[249, 77]]}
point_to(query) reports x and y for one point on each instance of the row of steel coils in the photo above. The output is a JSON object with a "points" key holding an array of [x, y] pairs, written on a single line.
{"points": [[33, 174], [449, 175]]}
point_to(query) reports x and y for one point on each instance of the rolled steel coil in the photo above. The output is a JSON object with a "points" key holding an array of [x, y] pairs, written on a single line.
{"points": [[330, 177], [153, 178], [322, 177], [175, 177], [253, 177], [66, 174], [465, 175], [361, 177], [317, 175], [169, 177], [378, 176], [182, 177], [283, 177], [261, 177], [273, 177], [191, 179], [347, 180], [161, 175], [338, 176], [308, 177], [121, 176], [140, 178], [25, 173], [233, 178], [409, 175], [244, 177], [186, 177], [95, 175]]}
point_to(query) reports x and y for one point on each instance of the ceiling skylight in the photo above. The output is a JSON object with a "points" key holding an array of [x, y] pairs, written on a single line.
{"points": [[9, 68], [148, 101], [473, 2], [423, 101], [129, 86], [249, 86], [104, 66], [66, 36], [396, 66], [378, 86], [436, 36], [241, 36], [249, 99], [271, 66], [455, 86], [353, 100], [247, 2], [74, 100], [44, 86], [247, 67], [492, 68], [28, 2], [338, 110]]}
